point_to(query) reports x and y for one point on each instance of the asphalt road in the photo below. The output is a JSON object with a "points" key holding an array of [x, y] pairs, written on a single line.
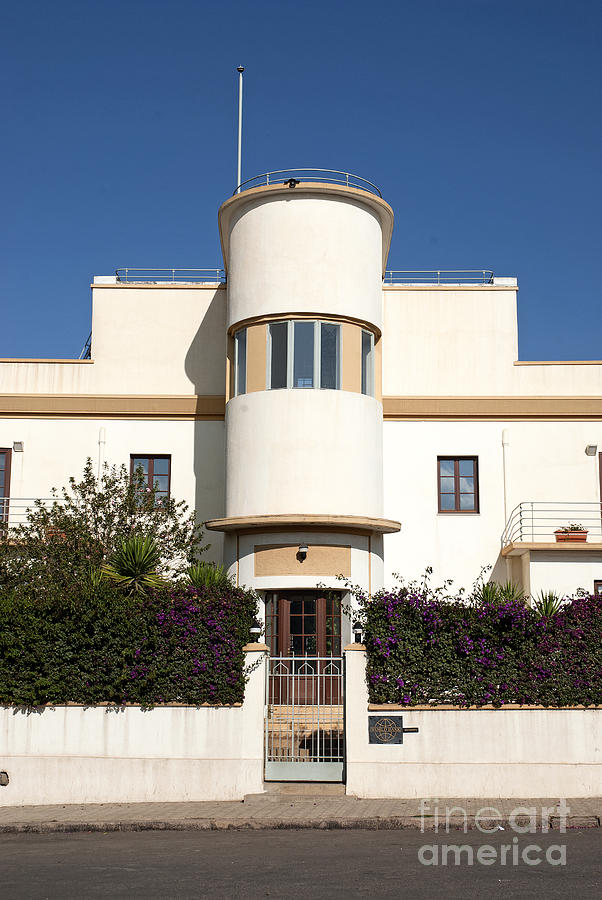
{"points": [[295, 864]]}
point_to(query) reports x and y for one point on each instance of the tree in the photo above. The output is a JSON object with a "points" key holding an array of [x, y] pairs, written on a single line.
{"points": [[63, 546]]}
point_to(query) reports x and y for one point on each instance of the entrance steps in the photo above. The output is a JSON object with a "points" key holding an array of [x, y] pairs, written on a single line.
{"points": [[298, 790]]}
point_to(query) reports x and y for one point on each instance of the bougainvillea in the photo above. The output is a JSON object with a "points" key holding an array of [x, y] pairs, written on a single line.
{"points": [[424, 649], [177, 645]]}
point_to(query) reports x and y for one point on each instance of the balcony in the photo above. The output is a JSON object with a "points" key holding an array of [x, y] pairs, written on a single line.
{"points": [[292, 177], [14, 510], [533, 524]]}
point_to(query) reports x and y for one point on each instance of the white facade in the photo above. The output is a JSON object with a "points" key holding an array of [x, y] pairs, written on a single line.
{"points": [[420, 372]]}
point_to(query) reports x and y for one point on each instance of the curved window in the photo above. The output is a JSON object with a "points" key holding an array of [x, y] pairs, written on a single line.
{"points": [[368, 363], [304, 354], [240, 362]]}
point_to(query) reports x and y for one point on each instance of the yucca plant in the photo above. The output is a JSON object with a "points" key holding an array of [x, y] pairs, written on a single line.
{"points": [[134, 565], [510, 592], [206, 574], [547, 603]]}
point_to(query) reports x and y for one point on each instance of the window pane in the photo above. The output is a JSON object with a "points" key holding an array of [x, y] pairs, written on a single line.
{"points": [[446, 466], [141, 462], [448, 485], [161, 465], [329, 356], [448, 501], [303, 372], [161, 482], [240, 361], [466, 466], [278, 367], [467, 501], [367, 363], [467, 485]]}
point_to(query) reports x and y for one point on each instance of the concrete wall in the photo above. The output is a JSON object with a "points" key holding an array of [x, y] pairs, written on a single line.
{"points": [[106, 755], [472, 753], [564, 572]]}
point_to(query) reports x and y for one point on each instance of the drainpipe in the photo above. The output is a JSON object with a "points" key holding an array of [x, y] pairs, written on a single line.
{"points": [[102, 439]]}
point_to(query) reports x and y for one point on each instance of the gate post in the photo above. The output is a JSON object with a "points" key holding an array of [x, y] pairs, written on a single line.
{"points": [[356, 710], [253, 707]]}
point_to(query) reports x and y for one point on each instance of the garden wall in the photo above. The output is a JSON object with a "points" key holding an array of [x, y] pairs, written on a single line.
{"points": [[108, 754], [508, 752]]}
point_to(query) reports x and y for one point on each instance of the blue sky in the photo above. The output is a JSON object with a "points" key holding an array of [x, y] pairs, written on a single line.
{"points": [[479, 119]]}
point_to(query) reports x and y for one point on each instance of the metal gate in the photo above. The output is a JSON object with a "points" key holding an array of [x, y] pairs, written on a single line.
{"points": [[304, 718]]}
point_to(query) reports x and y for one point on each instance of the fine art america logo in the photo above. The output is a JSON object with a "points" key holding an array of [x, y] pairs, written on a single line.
{"points": [[522, 820]]}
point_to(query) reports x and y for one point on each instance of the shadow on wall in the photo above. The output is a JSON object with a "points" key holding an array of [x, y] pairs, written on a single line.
{"points": [[205, 366]]}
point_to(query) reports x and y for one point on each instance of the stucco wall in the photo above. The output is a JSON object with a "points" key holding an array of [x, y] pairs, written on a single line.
{"points": [[472, 753], [106, 755]]}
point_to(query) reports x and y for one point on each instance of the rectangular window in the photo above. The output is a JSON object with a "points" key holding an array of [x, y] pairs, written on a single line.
{"points": [[156, 473], [597, 588], [368, 363], [303, 355], [458, 484], [240, 362], [4, 484], [278, 355], [330, 355]]}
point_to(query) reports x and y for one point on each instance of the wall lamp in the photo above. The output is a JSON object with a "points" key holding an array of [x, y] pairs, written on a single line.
{"points": [[357, 632], [302, 552], [255, 630], [18, 446], [591, 449]]}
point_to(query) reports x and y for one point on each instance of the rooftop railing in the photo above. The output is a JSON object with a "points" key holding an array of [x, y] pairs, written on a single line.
{"points": [[439, 276], [536, 521], [159, 276], [293, 177]]}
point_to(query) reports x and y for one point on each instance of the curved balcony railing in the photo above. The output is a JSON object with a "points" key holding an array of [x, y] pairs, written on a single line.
{"points": [[293, 177], [536, 521]]}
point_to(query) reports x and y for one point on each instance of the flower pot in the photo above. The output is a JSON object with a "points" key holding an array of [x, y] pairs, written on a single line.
{"points": [[571, 536]]}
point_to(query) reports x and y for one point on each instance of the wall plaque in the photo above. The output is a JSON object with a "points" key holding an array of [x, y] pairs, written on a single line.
{"points": [[387, 730]]}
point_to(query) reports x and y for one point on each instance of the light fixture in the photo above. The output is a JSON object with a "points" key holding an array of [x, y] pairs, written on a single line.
{"points": [[302, 552], [255, 630], [357, 631], [292, 182], [591, 449], [18, 446]]}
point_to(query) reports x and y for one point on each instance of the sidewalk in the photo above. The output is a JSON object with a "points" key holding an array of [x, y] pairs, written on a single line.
{"points": [[261, 811]]}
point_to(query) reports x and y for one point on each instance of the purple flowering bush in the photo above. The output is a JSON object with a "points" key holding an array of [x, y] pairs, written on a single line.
{"points": [[180, 644], [423, 648]]}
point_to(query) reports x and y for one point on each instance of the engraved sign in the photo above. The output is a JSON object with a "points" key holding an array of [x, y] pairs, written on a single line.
{"points": [[387, 730]]}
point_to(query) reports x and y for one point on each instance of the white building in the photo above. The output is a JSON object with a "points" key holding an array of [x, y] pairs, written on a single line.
{"points": [[327, 416]]}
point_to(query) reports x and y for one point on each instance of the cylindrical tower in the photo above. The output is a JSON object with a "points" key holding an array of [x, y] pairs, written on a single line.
{"points": [[305, 261]]}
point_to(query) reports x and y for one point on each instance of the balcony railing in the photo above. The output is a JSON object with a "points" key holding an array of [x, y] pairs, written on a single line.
{"points": [[439, 276], [293, 177], [171, 276], [536, 521], [14, 510]]}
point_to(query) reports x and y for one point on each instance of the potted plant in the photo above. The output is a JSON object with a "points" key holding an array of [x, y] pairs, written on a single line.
{"points": [[573, 532]]}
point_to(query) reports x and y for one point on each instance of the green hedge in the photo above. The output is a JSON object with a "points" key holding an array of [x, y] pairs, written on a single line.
{"points": [[423, 649], [181, 645]]}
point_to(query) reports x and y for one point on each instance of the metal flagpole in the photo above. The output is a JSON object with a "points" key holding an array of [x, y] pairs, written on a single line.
{"points": [[240, 70]]}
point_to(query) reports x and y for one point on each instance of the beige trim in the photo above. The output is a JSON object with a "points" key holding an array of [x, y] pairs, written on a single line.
{"points": [[375, 203], [257, 336], [450, 287], [327, 560], [554, 362], [229, 367], [374, 707], [113, 406], [79, 362], [313, 316], [407, 408], [524, 548], [303, 522], [351, 353], [166, 285]]}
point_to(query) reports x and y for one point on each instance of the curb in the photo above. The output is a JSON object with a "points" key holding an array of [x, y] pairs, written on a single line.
{"points": [[391, 823]]}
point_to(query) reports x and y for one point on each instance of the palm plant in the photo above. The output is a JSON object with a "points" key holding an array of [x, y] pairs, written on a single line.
{"points": [[134, 565], [206, 574], [547, 603]]}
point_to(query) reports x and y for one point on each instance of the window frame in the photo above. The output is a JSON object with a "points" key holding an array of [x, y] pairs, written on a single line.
{"points": [[238, 342], [317, 355], [477, 500], [367, 377], [151, 457], [597, 588], [5, 496]]}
